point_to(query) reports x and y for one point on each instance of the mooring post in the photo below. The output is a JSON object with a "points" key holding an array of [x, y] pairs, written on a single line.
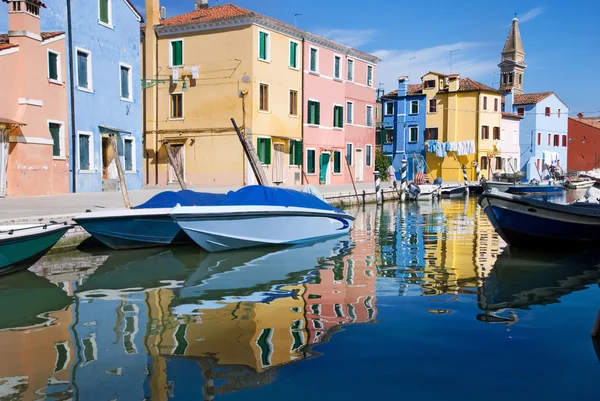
{"points": [[477, 171], [404, 183], [364, 196], [465, 177], [377, 186]]}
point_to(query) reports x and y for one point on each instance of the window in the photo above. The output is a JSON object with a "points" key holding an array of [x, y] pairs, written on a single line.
{"points": [[564, 141], [389, 108], [431, 133], [484, 163], [414, 107], [263, 46], [56, 134], [539, 138], [295, 153], [433, 105], [54, 67], [521, 111], [556, 140], [430, 83], [337, 67], [413, 134], [177, 53], [369, 116], [90, 349], [85, 151], [84, 70], [338, 116], [125, 72], [293, 102], [314, 112], [263, 97], [520, 79], [265, 344], [547, 112], [350, 69], [389, 135], [314, 59], [264, 150], [176, 105], [349, 113], [485, 132], [558, 113], [549, 137], [368, 155], [128, 154], [369, 75], [496, 133], [310, 161], [499, 163], [485, 102], [349, 154], [337, 162], [63, 356], [495, 104], [293, 54], [104, 12]]}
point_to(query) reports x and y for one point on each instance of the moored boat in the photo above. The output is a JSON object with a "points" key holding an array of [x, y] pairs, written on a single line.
{"points": [[578, 184], [21, 245], [455, 191], [259, 216], [535, 224], [499, 185], [423, 192], [535, 189], [146, 225]]}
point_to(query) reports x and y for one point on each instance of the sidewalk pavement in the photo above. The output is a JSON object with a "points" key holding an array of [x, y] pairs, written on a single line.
{"points": [[67, 205]]}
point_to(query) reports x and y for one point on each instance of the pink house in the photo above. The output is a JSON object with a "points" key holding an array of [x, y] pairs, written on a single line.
{"points": [[339, 117], [33, 105]]}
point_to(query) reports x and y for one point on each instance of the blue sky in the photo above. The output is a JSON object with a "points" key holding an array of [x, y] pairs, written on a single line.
{"points": [[561, 39]]}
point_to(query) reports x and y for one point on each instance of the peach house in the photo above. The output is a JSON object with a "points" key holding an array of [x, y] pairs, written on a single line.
{"points": [[33, 105], [339, 117]]}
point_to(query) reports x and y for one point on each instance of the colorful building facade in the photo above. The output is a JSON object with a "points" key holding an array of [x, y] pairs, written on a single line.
{"points": [[404, 128], [34, 126], [584, 143]]}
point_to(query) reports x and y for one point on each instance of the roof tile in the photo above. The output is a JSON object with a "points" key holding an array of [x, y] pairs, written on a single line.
{"points": [[469, 85], [50, 35], [530, 98], [208, 14], [587, 121]]}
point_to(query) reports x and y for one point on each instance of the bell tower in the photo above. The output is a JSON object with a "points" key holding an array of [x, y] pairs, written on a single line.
{"points": [[512, 66]]}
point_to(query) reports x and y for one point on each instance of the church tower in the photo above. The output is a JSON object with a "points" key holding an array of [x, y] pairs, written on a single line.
{"points": [[513, 63]]}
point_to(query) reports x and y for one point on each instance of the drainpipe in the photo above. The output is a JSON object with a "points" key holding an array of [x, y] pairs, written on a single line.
{"points": [[72, 95], [303, 110], [156, 110]]}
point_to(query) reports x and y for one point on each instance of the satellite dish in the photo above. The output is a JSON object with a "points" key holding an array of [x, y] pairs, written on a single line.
{"points": [[245, 79]]}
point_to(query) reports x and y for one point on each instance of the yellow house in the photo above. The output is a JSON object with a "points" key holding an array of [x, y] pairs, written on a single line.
{"points": [[459, 110], [205, 67]]}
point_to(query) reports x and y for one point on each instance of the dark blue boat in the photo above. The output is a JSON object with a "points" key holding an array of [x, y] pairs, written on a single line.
{"points": [[536, 224], [535, 189]]}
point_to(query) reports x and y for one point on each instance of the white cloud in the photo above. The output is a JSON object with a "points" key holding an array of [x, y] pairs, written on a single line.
{"points": [[350, 37], [531, 14], [470, 61]]}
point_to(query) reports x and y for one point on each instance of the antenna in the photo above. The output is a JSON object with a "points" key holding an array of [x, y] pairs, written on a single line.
{"points": [[295, 21], [409, 60], [452, 51]]}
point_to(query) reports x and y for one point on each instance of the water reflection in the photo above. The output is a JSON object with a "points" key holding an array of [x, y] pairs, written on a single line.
{"points": [[168, 324]]}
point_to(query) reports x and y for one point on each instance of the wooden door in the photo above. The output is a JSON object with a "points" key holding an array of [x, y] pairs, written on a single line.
{"points": [[179, 156], [278, 149], [360, 164]]}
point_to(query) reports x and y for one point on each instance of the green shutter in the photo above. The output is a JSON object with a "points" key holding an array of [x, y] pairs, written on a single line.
{"points": [[298, 152], [310, 161], [52, 65], [268, 151], [263, 46], [337, 162], [311, 112], [260, 149], [82, 72], [317, 113], [55, 134], [104, 11], [292, 152], [177, 52], [293, 52]]}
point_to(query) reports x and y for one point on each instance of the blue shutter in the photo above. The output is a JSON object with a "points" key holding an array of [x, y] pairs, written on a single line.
{"points": [[129, 155], [84, 152], [82, 70], [125, 82]]}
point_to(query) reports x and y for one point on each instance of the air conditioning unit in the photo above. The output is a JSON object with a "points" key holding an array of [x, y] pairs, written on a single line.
{"points": [[163, 13]]}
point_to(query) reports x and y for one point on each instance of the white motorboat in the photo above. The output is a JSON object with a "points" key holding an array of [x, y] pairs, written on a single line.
{"points": [[579, 184], [423, 192], [259, 216], [455, 191], [501, 186]]}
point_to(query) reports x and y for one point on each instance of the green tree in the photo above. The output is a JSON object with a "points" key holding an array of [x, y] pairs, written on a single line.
{"points": [[382, 163]]}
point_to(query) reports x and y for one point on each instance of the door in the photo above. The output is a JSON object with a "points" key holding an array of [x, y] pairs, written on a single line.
{"points": [[278, 149], [179, 156], [360, 165], [324, 174], [3, 160]]}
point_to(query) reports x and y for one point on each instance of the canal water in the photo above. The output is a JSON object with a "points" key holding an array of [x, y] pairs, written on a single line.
{"points": [[421, 301]]}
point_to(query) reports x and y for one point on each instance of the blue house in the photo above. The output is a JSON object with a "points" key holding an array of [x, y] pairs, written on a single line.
{"points": [[543, 131], [104, 83], [403, 127]]}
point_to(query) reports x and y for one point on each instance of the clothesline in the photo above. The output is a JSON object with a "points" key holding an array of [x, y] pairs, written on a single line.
{"points": [[440, 149]]}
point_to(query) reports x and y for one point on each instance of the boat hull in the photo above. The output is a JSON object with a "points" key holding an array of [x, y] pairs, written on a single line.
{"points": [[226, 228], [535, 189], [130, 230], [533, 224], [24, 247], [579, 184], [499, 185], [427, 192], [455, 192]]}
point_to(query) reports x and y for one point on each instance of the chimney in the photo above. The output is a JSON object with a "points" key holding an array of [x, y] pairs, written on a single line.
{"points": [[200, 4], [579, 115], [24, 17], [508, 100], [453, 83], [402, 86]]}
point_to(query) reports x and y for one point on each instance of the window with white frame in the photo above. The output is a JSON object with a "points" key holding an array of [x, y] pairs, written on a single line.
{"points": [[414, 107], [105, 12], [264, 44], [263, 97], [337, 67], [349, 154], [369, 116], [350, 69], [314, 59], [54, 67], [57, 134], [129, 154], [84, 70], [86, 151], [125, 78], [337, 162], [176, 52], [413, 134], [310, 161], [349, 113], [293, 54], [369, 155], [389, 108], [369, 75]]}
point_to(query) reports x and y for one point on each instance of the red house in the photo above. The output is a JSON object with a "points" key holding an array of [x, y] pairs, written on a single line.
{"points": [[584, 143]]}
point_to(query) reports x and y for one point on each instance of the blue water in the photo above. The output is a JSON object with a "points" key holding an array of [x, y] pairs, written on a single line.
{"points": [[421, 301]]}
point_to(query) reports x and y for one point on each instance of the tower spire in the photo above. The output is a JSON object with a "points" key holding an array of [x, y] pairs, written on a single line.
{"points": [[512, 65]]}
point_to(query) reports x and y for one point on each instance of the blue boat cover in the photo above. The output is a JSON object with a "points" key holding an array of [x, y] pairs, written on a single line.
{"points": [[184, 198], [262, 196]]}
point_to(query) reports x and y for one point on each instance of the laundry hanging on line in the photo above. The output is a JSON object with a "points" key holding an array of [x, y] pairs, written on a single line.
{"points": [[462, 148]]}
